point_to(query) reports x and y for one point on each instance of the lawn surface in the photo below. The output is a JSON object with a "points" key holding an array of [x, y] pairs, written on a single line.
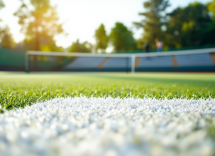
{"points": [[20, 89], [107, 114]]}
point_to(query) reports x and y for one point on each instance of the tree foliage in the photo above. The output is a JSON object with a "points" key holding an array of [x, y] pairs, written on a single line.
{"points": [[190, 26], [153, 20], [80, 47], [6, 38], [122, 39], [211, 8], [1, 4], [101, 38], [39, 23]]}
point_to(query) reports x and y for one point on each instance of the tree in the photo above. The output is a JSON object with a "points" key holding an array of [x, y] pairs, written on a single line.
{"points": [[39, 23], [6, 38], [1, 4], [101, 38], [122, 39], [190, 26], [211, 7], [80, 47], [154, 20], [211, 27]]}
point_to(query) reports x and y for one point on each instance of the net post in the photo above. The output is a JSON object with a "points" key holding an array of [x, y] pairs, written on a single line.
{"points": [[26, 63], [133, 64]]}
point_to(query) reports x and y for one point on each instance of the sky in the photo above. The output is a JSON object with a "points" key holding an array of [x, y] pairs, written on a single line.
{"points": [[82, 17]]}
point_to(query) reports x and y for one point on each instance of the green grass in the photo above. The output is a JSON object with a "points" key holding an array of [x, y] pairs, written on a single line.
{"points": [[20, 89]]}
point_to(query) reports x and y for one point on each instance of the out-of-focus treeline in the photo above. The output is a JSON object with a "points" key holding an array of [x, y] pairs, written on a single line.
{"points": [[190, 26]]}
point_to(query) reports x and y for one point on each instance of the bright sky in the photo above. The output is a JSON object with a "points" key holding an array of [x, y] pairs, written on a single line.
{"points": [[82, 17]]}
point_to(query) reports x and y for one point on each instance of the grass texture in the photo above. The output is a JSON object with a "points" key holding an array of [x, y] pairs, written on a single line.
{"points": [[19, 89], [83, 126], [107, 114]]}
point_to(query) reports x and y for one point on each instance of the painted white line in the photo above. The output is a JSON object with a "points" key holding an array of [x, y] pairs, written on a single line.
{"points": [[98, 126]]}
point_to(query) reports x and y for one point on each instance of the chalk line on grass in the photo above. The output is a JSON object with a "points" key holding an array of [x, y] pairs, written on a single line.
{"points": [[98, 126]]}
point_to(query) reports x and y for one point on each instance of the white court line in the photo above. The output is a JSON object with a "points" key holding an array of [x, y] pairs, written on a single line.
{"points": [[98, 126]]}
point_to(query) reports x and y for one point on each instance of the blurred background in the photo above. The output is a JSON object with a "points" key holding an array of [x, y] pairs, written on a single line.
{"points": [[101, 26]]}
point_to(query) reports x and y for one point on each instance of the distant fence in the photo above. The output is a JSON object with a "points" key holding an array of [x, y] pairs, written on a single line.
{"points": [[11, 60], [201, 60]]}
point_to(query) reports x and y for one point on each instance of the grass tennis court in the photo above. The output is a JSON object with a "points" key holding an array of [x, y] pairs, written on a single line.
{"points": [[107, 114], [21, 89]]}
